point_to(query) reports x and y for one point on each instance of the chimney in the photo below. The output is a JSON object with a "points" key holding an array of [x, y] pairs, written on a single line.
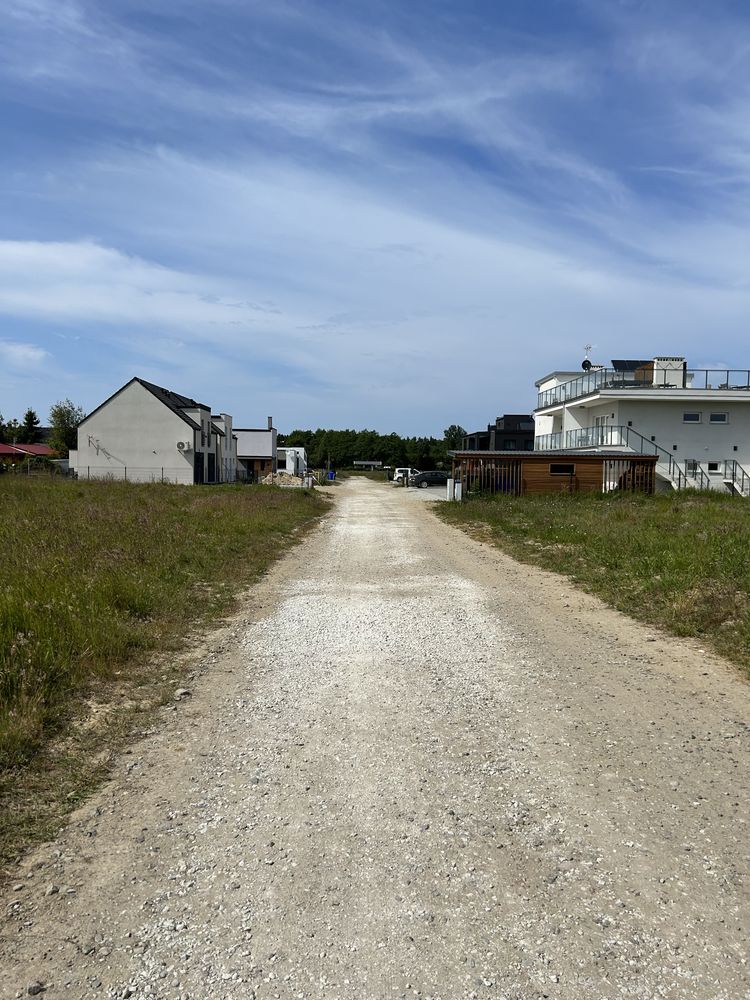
{"points": [[270, 423]]}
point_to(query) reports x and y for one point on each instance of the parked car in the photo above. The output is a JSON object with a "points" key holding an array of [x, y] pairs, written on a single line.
{"points": [[433, 478], [400, 474]]}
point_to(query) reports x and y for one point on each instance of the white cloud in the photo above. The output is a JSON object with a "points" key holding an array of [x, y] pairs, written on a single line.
{"points": [[22, 356]]}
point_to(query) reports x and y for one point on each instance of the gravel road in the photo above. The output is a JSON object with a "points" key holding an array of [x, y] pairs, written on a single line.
{"points": [[410, 768]]}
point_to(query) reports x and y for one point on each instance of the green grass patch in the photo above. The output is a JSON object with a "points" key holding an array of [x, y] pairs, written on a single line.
{"points": [[681, 562], [97, 577]]}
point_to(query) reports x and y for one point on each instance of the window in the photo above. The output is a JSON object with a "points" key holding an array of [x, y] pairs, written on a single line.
{"points": [[691, 417], [713, 467], [509, 444], [562, 469], [718, 418]]}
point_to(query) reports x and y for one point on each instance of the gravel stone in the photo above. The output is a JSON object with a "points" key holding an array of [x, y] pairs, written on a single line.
{"points": [[411, 767]]}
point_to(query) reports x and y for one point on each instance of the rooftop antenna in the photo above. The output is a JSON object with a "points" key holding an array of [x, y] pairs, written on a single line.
{"points": [[586, 363]]}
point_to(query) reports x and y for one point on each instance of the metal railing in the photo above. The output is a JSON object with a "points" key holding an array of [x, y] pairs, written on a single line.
{"points": [[739, 478], [141, 474], [601, 379], [607, 436], [694, 470], [625, 437], [548, 442]]}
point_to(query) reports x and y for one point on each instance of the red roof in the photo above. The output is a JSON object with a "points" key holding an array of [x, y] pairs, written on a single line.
{"points": [[14, 450]]}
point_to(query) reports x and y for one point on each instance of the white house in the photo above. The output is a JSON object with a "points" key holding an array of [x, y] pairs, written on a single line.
{"points": [[697, 421], [256, 451], [293, 461], [146, 433]]}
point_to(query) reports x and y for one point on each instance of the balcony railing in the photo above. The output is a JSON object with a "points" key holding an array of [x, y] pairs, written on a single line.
{"points": [[548, 442], [617, 437], [644, 378], [600, 437]]}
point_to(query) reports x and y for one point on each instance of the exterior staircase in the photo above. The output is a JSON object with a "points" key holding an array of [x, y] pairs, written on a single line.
{"points": [[691, 475], [736, 479]]}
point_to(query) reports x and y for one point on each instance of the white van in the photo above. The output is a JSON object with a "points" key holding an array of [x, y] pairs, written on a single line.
{"points": [[400, 474]]}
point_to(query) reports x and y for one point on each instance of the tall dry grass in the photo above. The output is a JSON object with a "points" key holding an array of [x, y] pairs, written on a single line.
{"points": [[93, 574]]}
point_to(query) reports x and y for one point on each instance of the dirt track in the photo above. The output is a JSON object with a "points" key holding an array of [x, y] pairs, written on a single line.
{"points": [[411, 768]]}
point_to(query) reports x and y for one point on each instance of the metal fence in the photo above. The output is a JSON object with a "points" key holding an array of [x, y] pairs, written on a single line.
{"points": [[140, 474]]}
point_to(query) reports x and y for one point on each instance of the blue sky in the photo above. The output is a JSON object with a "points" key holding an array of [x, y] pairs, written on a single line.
{"points": [[384, 214]]}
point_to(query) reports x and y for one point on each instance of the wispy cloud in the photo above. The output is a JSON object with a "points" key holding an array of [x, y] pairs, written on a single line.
{"points": [[22, 356], [351, 200]]}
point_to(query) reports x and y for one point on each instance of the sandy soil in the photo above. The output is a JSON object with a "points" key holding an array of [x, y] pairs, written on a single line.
{"points": [[410, 768]]}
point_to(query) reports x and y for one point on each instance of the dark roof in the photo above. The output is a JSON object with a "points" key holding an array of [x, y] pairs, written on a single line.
{"points": [[174, 401]]}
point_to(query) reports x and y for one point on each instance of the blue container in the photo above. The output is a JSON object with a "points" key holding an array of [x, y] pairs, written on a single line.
{"points": [[331, 475]]}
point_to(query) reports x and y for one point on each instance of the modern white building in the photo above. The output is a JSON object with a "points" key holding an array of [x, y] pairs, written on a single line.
{"points": [[293, 461], [146, 433], [256, 451], [697, 421]]}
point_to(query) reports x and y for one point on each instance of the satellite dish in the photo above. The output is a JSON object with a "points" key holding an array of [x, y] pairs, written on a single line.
{"points": [[586, 365]]}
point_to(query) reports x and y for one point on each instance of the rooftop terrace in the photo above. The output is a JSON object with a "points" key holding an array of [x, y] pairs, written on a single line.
{"points": [[604, 379]]}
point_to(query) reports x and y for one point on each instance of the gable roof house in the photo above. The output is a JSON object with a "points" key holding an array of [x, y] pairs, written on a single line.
{"points": [[146, 433], [14, 454], [696, 421]]}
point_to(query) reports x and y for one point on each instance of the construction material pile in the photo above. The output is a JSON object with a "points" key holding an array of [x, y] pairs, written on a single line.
{"points": [[282, 479]]}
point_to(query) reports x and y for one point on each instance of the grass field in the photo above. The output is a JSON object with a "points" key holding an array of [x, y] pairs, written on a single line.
{"points": [[95, 577], [680, 561]]}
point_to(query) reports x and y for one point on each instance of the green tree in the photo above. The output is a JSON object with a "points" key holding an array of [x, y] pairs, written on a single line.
{"points": [[453, 437], [2, 430], [29, 430], [12, 431], [64, 417]]}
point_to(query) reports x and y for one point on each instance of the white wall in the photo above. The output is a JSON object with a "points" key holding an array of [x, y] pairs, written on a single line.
{"points": [[134, 436], [662, 419], [255, 443], [294, 462], [704, 441]]}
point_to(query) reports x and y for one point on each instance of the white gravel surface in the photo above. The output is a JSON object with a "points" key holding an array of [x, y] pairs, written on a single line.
{"points": [[410, 768]]}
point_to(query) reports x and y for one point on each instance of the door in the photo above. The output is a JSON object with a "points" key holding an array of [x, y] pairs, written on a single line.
{"points": [[211, 478], [198, 467]]}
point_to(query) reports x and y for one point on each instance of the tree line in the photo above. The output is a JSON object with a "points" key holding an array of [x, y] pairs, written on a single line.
{"points": [[64, 418], [341, 449]]}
